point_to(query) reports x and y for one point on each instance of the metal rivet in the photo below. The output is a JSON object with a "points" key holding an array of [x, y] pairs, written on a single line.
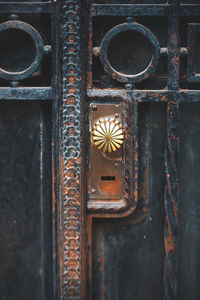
{"points": [[13, 17], [47, 49], [94, 107], [128, 86], [14, 84], [129, 19], [93, 191]]}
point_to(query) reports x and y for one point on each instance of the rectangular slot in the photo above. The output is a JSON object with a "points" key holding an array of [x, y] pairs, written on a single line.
{"points": [[107, 178]]}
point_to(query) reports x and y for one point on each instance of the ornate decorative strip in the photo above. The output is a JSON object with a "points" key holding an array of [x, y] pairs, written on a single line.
{"points": [[71, 149]]}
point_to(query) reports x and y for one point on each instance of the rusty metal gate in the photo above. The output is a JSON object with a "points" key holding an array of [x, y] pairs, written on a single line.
{"points": [[99, 150]]}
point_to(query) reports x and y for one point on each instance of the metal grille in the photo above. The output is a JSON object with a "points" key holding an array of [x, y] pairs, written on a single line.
{"points": [[27, 29], [76, 53]]}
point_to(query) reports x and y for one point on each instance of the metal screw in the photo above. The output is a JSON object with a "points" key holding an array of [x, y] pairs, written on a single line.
{"points": [[14, 84], [128, 86], [47, 49], [94, 107], [116, 165], [13, 17], [129, 19], [93, 191], [96, 51]]}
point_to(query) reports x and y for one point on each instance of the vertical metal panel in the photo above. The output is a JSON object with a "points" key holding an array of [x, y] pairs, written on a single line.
{"points": [[112, 14], [25, 201]]}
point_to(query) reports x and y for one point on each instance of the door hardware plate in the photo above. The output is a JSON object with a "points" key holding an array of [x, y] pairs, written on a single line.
{"points": [[105, 169]]}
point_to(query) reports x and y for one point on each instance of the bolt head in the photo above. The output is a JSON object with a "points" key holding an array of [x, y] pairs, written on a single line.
{"points": [[13, 17], [93, 191], [94, 107]]}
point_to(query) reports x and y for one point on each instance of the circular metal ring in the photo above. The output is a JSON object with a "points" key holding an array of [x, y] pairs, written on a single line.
{"points": [[121, 76], [39, 45]]}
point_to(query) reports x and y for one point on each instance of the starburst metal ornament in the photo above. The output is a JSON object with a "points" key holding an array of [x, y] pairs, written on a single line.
{"points": [[108, 134]]}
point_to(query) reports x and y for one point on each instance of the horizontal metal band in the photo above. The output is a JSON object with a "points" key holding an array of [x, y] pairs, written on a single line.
{"points": [[145, 10], [162, 96], [22, 93], [32, 7]]}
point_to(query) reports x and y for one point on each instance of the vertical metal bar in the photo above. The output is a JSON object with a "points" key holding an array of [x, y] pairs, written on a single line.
{"points": [[100, 257], [89, 257], [135, 150], [90, 48], [134, 133], [173, 53], [171, 149], [144, 161], [171, 214]]}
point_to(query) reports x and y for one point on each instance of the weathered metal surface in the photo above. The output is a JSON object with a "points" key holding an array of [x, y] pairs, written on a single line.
{"points": [[128, 202], [26, 93], [26, 145], [142, 230], [101, 85], [72, 214], [27, 65], [27, 7], [25, 201], [105, 180], [39, 48], [130, 26], [192, 73], [171, 207], [171, 149], [145, 10]]}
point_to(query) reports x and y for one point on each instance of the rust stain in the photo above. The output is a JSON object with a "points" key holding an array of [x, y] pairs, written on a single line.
{"points": [[169, 241], [109, 187], [163, 98]]}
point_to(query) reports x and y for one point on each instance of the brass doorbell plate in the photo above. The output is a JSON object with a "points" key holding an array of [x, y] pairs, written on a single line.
{"points": [[106, 152]]}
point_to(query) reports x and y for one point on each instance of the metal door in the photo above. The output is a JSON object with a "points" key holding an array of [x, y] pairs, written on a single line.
{"points": [[28, 101], [99, 144], [144, 55]]}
